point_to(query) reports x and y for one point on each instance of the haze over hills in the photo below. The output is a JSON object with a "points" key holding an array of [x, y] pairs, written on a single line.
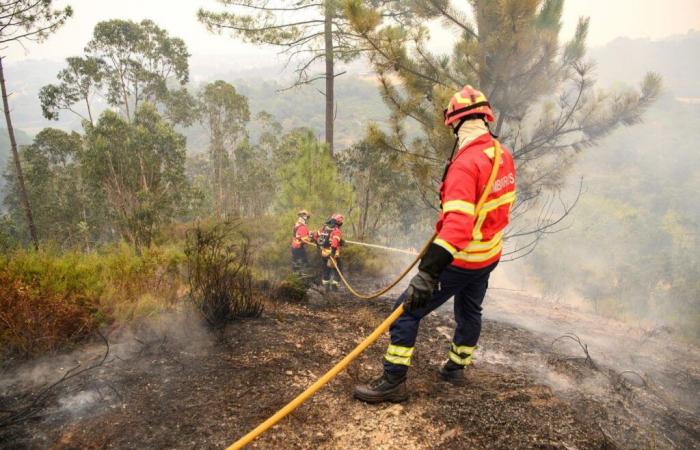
{"points": [[675, 58], [623, 61]]}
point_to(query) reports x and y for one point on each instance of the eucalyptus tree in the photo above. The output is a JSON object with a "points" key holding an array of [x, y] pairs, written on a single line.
{"points": [[127, 63], [21, 21], [225, 114]]}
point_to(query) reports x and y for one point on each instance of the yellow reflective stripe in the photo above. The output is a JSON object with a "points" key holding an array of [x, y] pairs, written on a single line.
{"points": [[397, 350], [398, 360], [468, 101], [446, 245], [507, 198], [479, 257], [462, 349], [459, 360], [476, 234], [458, 205], [482, 246]]}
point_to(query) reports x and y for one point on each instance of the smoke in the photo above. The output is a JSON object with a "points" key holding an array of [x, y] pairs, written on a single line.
{"points": [[619, 350], [133, 349]]}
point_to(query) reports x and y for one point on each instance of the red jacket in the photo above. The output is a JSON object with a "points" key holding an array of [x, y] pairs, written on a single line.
{"points": [[300, 232], [475, 242], [335, 237]]}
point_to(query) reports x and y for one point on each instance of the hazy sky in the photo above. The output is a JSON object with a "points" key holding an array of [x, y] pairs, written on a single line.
{"points": [[609, 19]]}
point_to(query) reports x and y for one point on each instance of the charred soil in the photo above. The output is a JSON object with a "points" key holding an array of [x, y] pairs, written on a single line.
{"points": [[179, 387]]}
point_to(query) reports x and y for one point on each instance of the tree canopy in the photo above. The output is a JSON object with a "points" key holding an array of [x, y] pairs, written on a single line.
{"points": [[542, 90]]}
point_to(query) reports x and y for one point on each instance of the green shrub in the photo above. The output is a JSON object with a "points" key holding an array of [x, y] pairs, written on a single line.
{"points": [[50, 299], [292, 289], [35, 319]]}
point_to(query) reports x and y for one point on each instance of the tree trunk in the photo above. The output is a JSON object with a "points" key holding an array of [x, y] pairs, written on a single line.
{"points": [[330, 74], [18, 165], [89, 110]]}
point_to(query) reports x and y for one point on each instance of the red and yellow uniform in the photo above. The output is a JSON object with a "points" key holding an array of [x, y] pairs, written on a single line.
{"points": [[335, 237], [301, 234], [300, 237], [467, 248], [331, 240], [475, 241]]}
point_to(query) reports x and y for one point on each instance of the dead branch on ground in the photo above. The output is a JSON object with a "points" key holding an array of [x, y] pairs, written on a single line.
{"points": [[587, 356], [41, 399]]}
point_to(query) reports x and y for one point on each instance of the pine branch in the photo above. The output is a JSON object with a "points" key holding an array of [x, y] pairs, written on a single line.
{"points": [[268, 8]]}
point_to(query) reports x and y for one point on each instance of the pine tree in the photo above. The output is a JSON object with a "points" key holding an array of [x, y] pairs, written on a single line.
{"points": [[310, 180], [308, 31], [542, 91]]}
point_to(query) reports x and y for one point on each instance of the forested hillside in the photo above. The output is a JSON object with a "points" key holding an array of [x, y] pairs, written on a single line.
{"points": [[631, 246], [6, 152], [183, 241], [673, 57]]}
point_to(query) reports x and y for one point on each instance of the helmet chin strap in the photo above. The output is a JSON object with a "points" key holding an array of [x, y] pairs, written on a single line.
{"points": [[454, 148], [456, 132], [493, 135]]}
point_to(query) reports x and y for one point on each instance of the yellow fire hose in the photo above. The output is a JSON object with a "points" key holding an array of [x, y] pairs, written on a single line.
{"points": [[369, 340]]}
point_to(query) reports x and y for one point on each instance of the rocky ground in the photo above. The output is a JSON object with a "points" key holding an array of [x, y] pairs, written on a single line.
{"points": [[172, 384]]}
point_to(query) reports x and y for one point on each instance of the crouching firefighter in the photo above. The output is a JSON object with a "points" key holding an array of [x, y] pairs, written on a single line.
{"points": [[460, 259], [330, 240], [300, 238]]}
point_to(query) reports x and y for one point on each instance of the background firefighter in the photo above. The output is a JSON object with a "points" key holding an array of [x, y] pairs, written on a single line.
{"points": [[330, 240], [300, 238], [460, 259]]}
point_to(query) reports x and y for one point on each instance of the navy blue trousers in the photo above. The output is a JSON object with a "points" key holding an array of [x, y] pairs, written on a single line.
{"points": [[328, 273], [299, 259], [468, 288]]}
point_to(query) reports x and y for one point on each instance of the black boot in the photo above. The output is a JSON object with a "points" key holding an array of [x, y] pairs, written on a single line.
{"points": [[454, 373], [386, 388]]}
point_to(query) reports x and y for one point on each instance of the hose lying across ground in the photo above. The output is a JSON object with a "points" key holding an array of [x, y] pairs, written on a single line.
{"points": [[369, 340], [343, 363]]}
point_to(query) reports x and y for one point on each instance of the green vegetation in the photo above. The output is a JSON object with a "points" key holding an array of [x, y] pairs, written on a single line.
{"points": [[134, 208], [541, 89], [637, 255], [55, 298]]}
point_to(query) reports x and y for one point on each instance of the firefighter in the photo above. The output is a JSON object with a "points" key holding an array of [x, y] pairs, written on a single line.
{"points": [[330, 240], [460, 259], [300, 238]]}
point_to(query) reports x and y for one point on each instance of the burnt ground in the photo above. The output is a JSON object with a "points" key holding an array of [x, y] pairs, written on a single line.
{"points": [[172, 384]]}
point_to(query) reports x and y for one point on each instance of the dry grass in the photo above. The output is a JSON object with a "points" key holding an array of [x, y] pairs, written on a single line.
{"points": [[49, 300]]}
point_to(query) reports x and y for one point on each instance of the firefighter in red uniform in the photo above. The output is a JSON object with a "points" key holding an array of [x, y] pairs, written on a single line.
{"points": [[459, 261], [330, 240], [300, 238]]}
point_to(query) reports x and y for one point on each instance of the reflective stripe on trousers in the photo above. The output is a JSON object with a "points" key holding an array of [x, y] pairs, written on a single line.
{"points": [[468, 288]]}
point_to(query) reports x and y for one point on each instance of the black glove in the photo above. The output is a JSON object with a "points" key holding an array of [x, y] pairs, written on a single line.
{"points": [[420, 290]]}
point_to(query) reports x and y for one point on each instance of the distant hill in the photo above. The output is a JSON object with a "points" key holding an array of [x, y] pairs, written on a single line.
{"points": [[675, 58], [358, 99], [22, 138]]}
